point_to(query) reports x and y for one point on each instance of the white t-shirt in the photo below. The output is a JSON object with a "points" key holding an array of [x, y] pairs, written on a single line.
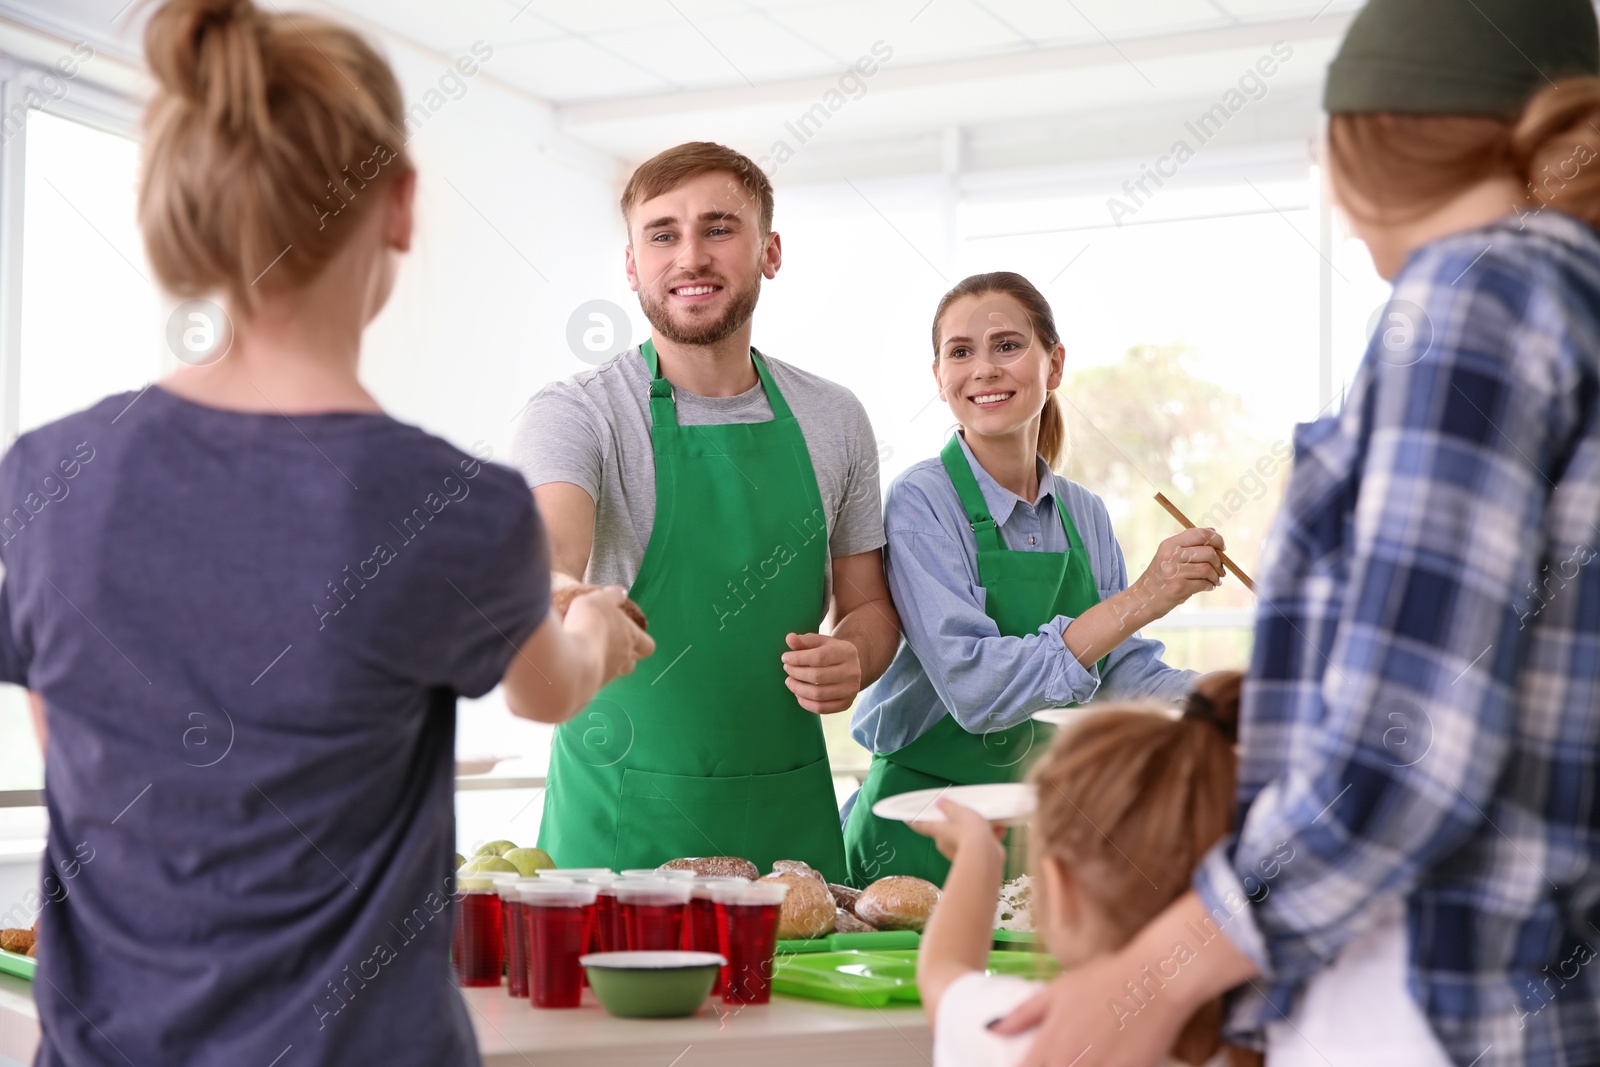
{"points": [[960, 1037]]}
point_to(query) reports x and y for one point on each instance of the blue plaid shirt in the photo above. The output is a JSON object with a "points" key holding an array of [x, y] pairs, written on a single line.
{"points": [[1422, 715]]}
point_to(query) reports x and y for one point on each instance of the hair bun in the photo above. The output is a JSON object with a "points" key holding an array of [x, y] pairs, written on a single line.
{"points": [[209, 52], [1215, 699]]}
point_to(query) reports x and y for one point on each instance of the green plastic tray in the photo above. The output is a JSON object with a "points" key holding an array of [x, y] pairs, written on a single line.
{"points": [[886, 939], [871, 941], [1016, 937], [21, 966], [876, 979]]}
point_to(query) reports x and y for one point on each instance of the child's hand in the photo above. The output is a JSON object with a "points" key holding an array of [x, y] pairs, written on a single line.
{"points": [[961, 829]]}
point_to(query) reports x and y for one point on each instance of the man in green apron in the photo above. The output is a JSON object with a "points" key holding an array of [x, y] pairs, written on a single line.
{"points": [[735, 496]]}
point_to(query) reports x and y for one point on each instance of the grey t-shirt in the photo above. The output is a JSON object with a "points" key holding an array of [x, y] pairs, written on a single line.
{"points": [[593, 430]]}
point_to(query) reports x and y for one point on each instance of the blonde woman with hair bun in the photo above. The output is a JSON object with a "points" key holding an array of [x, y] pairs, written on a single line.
{"points": [[245, 632]]}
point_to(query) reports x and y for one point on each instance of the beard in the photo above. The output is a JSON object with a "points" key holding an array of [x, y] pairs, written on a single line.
{"points": [[699, 329]]}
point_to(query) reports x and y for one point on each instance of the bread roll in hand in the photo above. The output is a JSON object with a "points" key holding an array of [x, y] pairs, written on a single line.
{"points": [[561, 599]]}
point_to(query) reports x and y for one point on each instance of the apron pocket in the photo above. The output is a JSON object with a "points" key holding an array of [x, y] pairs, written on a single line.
{"points": [[760, 817]]}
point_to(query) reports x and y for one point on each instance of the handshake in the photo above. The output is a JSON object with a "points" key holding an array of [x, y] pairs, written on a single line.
{"points": [[562, 598]]}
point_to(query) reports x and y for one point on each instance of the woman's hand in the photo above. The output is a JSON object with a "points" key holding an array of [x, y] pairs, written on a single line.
{"points": [[600, 617], [1186, 563], [1086, 1019], [1089, 1018], [961, 829]]}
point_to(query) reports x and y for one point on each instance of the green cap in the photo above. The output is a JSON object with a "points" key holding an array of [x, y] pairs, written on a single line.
{"points": [[1460, 57]]}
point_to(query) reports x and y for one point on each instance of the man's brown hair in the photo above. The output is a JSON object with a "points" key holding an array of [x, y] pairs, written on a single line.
{"points": [[670, 169]]}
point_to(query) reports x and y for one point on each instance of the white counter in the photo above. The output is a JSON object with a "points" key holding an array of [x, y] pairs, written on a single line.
{"points": [[511, 1033]]}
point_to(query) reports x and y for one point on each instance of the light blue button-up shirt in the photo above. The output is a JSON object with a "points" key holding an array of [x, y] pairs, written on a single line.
{"points": [[952, 658]]}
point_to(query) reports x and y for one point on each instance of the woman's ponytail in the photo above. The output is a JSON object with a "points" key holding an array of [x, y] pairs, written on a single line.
{"points": [[1052, 432], [1555, 147]]}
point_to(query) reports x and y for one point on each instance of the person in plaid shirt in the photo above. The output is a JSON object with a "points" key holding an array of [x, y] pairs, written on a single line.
{"points": [[1414, 877]]}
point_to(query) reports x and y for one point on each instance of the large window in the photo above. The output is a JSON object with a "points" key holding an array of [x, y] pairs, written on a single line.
{"points": [[1198, 332], [86, 313], [90, 315]]}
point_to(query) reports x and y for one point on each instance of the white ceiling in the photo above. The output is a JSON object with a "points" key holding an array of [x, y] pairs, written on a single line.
{"points": [[569, 52], [630, 76]]}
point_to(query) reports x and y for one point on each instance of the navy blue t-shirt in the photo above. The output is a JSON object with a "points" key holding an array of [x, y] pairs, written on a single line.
{"points": [[249, 632]]}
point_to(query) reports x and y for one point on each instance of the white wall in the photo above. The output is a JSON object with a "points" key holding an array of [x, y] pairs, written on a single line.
{"points": [[473, 328]]}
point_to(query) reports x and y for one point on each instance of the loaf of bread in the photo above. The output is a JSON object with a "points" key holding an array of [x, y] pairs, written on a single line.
{"points": [[844, 895], [808, 908], [561, 599], [797, 867], [715, 867], [848, 922], [18, 941], [899, 902]]}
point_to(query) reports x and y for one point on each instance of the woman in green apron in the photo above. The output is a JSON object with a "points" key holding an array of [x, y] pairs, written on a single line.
{"points": [[1012, 591]]}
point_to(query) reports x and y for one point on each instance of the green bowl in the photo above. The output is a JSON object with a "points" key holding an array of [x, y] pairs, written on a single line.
{"points": [[652, 985]]}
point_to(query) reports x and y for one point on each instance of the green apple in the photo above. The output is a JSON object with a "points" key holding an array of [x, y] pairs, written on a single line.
{"points": [[460, 859], [529, 861], [497, 848], [487, 864]]}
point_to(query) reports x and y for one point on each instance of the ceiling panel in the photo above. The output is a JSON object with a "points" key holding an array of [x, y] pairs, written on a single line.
{"points": [[763, 48], [1146, 18], [595, 17], [915, 29], [1054, 23], [450, 28], [571, 68], [1286, 8], [679, 53]]}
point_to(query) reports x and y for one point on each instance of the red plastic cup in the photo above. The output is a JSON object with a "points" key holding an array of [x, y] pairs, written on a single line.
{"points": [[515, 924], [560, 918], [607, 935], [477, 946], [653, 911], [747, 930], [700, 924]]}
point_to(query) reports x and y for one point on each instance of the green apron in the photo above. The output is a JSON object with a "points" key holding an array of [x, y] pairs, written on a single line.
{"points": [[1023, 591], [702, 750]]}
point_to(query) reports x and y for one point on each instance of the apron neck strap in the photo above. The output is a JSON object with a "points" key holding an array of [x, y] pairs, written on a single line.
{"points": [[984, 528], [972, 502], [661, 409]]}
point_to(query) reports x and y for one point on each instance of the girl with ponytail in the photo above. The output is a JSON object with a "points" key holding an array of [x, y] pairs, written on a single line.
{"points": [[246, 631], [1129, 800], [1011, 586]]}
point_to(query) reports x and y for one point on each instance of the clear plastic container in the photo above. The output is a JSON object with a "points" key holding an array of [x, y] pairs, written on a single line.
{"points": [[477, 945], [657, 872], [747, 936], [560, 921], [653, 912]]}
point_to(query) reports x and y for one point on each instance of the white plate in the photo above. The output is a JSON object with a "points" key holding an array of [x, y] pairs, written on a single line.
{"points": [[466, 766], [1070, 716], [1060, 716], [1007, 803]]}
